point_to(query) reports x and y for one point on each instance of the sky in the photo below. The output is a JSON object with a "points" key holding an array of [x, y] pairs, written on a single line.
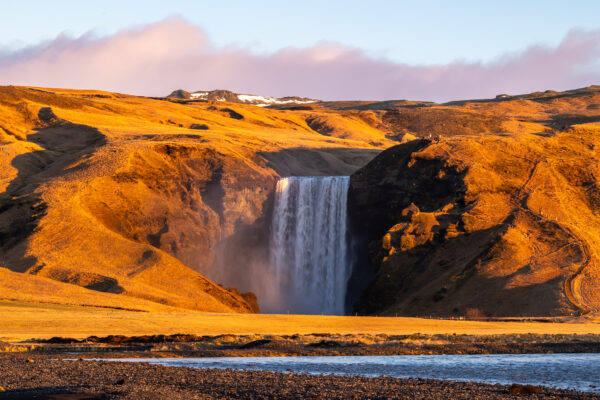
{"points": [[372, 50]]}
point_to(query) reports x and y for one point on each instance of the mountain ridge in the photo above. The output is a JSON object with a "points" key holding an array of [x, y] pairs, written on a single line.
{"points": [[229, 96]]}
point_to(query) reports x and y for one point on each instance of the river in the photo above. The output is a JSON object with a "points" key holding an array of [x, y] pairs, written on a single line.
{"points": [[579, 372]]}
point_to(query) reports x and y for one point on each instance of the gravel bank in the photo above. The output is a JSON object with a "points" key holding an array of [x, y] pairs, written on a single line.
{"points": [[28, 376]]}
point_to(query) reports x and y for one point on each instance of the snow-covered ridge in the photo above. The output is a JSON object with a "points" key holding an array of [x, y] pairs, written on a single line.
{"points": [[265, 101], [198, 95], [225, 95]]}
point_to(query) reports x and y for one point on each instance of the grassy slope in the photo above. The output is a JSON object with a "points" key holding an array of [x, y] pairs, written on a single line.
{"points": [[517, 233], [120, 195]]}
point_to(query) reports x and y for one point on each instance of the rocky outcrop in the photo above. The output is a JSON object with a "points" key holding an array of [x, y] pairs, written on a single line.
{"points": [[232, 113], [491, 227], [47, 117], [179, 94], [202, 127]]}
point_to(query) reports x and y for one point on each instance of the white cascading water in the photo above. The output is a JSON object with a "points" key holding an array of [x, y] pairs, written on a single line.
{"points": [[308, 244]]}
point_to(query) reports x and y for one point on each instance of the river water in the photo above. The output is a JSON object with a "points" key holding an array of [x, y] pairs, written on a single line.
{"points": [[579, 372]]}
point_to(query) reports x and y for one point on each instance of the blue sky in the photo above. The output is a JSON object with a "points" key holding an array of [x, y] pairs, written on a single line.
{"points": [[370, 50], [414, 32]]}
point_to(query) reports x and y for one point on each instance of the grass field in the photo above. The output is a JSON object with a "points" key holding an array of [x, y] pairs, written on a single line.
{"points": [[21, 321]]}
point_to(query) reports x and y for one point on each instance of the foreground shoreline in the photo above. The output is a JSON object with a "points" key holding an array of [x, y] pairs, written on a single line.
{"points": [[183, 345], [26, 376], [37, 339]]}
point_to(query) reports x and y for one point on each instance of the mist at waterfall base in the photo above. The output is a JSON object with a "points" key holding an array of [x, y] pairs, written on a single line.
{"points": [[296, 258]]}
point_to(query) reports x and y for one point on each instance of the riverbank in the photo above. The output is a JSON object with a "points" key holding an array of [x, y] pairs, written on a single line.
{"points": [[26, 376], [305, 345]]}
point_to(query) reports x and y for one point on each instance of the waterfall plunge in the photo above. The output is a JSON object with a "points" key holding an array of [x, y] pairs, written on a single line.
{"points": [[308, 244]]}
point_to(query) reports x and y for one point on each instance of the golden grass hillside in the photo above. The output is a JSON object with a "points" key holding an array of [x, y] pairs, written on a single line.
{"points": [[107, 196], [483, 226], [43, 321], [539, 112]]}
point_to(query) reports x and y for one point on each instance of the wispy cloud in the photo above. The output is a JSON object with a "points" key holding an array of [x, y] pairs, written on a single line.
{"points": [[173, 54]]}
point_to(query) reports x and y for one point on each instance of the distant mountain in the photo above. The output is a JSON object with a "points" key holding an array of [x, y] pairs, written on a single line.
{"points": [[226, 95]]}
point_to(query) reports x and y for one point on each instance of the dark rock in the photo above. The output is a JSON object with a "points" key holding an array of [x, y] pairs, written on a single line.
{"points": [[255, 343], [232, 113], [524, 389], [61, 340], [326, 344], [48, 118], [202, 127]]}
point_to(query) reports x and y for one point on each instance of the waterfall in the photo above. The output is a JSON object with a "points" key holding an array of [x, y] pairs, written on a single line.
{"points": [[308, 244]]}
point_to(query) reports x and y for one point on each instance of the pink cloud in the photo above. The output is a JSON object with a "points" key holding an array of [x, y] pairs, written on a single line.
{"points": [[174, 54]]}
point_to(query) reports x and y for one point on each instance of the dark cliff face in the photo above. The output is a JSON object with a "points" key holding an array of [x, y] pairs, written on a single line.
{"points": [[445, 228], [393, 180], [386, 195]]}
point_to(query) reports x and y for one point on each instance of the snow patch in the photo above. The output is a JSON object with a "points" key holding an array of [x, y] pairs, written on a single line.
{"points": [[260, 101], [270, 100], [198, 95]]}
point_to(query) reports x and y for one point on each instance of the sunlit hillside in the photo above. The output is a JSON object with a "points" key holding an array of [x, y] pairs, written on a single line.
{"points": [[150, 203], [128, 196]]}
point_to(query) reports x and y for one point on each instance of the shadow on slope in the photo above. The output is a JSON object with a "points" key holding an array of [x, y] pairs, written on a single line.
{"points": [[300, 161], [21, 206]]}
